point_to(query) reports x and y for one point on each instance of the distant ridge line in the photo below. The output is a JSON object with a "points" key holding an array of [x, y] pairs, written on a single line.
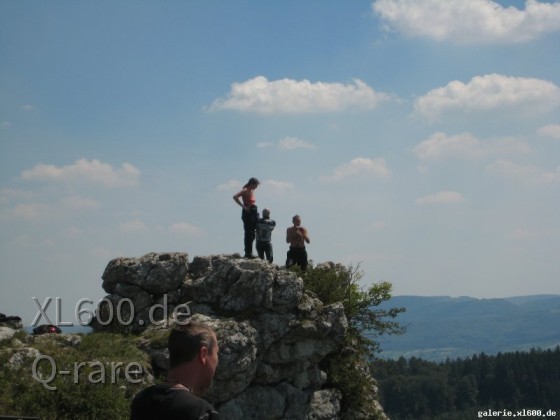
{"points": [[441, 327]]}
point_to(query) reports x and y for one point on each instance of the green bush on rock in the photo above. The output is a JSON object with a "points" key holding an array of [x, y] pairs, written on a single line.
{"points": [[51, 376], [348, 369]]}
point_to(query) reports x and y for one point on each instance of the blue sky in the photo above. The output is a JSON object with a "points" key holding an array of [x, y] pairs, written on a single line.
{"points": [[419, 138]]}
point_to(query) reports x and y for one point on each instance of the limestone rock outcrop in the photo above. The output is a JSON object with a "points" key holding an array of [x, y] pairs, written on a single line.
{"points": [[273, 335], [9, 325], [10, 321]]}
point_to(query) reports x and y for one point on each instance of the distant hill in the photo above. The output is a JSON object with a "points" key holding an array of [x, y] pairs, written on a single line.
{"points": [[441, 327]]}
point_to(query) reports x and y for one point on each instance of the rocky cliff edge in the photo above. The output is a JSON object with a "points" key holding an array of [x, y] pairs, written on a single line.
{"points": [[273, 335]]}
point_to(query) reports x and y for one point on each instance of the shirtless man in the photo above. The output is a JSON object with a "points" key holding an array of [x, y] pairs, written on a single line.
{"points": [[297, 236]]}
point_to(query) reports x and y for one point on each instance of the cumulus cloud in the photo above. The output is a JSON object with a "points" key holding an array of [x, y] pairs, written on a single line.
{"points": [[287, 144], [292, 143], [552, 130], [262, 96], [529, 174], [442, 197], [277, 186], [85, 171], [441, 146], [360, 167], [469, 21], [488, 92]]}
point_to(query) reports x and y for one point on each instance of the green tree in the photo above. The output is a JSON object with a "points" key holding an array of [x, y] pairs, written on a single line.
{"points": [[413, 389], [338, 283], [348, 369], [466, 392]]}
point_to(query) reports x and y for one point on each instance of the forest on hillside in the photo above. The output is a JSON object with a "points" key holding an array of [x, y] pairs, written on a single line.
{"points": [[467, 388]]}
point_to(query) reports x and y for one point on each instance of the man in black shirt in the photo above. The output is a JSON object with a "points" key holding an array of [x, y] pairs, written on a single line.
{"points": [[193, 357]]}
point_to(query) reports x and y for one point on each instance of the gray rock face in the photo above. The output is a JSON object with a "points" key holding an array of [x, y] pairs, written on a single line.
{"points": [[18, 358], [13, 322], [154, 273], [6, 333], [272, 335]]}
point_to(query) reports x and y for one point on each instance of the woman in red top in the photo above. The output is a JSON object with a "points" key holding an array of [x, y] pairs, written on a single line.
{"points": [[249, 214]]}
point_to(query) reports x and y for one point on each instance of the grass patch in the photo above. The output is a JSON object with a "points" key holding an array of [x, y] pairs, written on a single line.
{"points": [[63, 380]]}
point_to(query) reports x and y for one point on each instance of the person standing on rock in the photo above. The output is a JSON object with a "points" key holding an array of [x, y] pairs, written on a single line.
{"points": [[193, 358], [297, 236], [249, 214], [265, 226]]}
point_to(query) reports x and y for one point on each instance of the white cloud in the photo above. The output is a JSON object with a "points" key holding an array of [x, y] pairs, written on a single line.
{"points": [[525, 173], [278, 185], [360, 166], [28, 107], [183, 228], [85, 171], [552, 130], [292, 143], [6, 124], [442, 197], [441, 146], [287, 144], [262, 96], [133, 226], [469, 21], [488, 92]]}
